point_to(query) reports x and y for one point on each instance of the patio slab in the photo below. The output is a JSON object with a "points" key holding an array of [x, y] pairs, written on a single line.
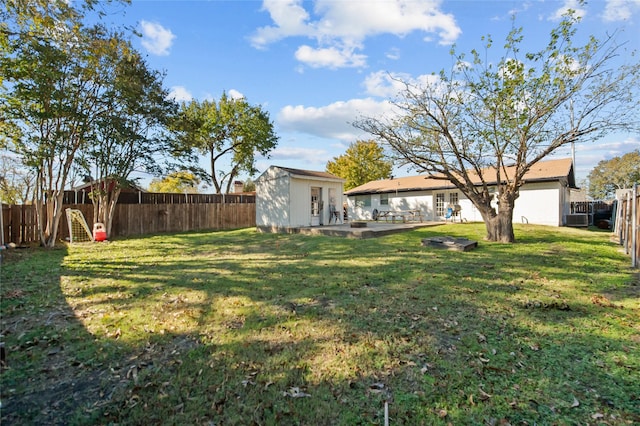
{"points": [[344, 230]]}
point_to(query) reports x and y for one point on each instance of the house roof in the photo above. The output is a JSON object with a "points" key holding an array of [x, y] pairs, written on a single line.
{"points": [[309, 174], [543, 171], [88, 186]]}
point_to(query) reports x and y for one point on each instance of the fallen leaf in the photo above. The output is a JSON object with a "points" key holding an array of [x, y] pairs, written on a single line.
{"points": [[483, 395], [597, 416], [576, 403], [481, 338], [295, 392], [442, 414], [376, 387]]}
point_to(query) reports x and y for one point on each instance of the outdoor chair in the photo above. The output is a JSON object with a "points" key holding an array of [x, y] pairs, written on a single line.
{"points": [[333, 214], [449, 214]]}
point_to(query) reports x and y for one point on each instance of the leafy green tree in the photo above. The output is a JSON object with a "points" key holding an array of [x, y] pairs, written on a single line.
{"points": [[127, 137], [52, 68], [249, 185], [16, 181], [177, 182], [230, 130], [616, 173], [363, 162], [469, 125]]}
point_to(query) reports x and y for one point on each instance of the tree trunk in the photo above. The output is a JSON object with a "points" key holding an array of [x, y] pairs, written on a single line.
{"points": [[499, 225], [48, 216]]}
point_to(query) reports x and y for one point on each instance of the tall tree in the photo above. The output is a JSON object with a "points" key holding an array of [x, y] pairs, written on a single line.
{"points": [[50, 94], [363, 161], [128, 136], [230, 130], [617, 173], [16, 182], [468, 125], [177, 182]]}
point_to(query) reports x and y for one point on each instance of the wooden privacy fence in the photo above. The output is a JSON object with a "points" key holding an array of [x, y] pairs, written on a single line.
{"points": [[627, 225], [20, 223], [139, 197]]}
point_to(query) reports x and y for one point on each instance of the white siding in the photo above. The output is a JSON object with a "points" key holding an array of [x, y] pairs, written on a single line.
{"points": [[284, 200], [272, 198], [301, 200], [539, 203], [402, 201], [542, 203]]}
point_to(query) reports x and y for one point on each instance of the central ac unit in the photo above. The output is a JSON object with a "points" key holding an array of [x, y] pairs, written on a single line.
{"points": [[577, 220]]}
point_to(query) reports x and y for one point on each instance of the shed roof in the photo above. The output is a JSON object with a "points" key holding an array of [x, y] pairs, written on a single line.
{"points": [[543, 171], [307, 174]]}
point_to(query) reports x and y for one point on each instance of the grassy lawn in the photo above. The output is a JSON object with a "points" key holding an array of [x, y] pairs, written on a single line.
{"points": [[240, 328]]}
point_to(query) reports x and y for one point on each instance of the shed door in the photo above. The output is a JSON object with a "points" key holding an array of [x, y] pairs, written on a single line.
{"points": [[316, 206]]}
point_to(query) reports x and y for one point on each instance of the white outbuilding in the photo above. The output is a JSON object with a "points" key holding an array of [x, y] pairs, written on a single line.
{"points": [[289, 198]]}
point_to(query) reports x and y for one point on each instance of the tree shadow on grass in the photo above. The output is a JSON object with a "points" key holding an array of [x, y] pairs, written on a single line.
{"points": [[53, 365], [236, 328]]}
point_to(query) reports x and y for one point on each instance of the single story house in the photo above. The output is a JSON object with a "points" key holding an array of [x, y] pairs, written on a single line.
{"points": [[545, 196], [291, 198]]}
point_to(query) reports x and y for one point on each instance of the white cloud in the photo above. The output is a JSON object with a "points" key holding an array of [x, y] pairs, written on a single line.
{"points": [[297, 153], [588, 155], [611, 148], [389, 85], [620, 10], [340, 27], [385, 84], [393, 54], [330, 57], [156, 38], [568, 4], [180, 94], [234, 94], [332, 121], [295, 156]]}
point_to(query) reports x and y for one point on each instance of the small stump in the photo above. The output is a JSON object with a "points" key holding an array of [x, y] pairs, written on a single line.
{"points": [[358, 224], [450, 243]]}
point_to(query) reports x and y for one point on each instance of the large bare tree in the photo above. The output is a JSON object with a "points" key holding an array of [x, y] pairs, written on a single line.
{"points": [[488, 115]]}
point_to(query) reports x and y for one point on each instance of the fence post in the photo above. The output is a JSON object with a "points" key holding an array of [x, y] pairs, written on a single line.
{"points": [[634, 227], [1, 224]]}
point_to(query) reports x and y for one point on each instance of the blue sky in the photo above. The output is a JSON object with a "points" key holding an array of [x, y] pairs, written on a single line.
{"points": [[316, 66]]}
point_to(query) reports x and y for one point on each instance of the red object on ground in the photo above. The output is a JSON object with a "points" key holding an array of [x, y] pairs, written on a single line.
{"points": [[99, 232]]}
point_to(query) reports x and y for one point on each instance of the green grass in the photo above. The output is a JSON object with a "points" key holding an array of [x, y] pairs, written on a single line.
{"points": [[242, 328]]}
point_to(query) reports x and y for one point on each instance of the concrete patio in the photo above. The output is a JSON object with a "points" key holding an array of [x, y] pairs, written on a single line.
{"points": [[371, 230]]}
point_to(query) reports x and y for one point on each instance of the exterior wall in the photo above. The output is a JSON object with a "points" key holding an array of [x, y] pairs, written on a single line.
{"points": [[301, 200], [415, 200], [543, 203], [272, 199], [540, 203], [284, 201]]}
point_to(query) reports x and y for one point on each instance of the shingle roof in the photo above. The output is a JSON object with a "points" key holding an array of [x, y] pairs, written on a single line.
{"points": [[542, 171], [312, 173]]}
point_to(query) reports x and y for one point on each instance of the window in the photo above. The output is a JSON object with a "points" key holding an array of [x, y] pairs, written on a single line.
{"points": [[363, 201], [384, 199], [453, 199]]}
